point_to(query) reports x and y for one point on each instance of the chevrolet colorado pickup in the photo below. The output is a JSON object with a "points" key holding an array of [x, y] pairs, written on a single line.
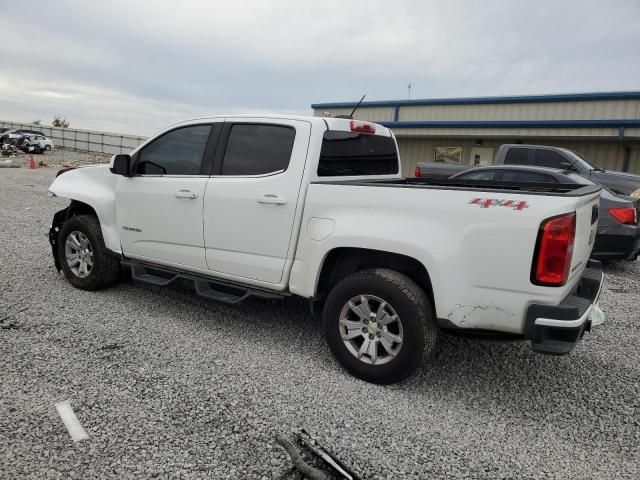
{"points": [[273, 206]]}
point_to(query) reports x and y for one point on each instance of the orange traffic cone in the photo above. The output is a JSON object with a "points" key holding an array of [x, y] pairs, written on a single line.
{"points": [[32, 162]]}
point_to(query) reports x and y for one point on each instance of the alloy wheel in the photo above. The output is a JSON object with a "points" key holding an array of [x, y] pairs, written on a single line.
{"points": [[371, 329]]}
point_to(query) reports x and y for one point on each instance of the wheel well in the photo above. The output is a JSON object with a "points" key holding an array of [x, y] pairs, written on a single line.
{"points": [[74, 208], [80, 208], [341, 262]]}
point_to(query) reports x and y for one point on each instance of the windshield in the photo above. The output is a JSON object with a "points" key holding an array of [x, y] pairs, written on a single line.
{"points": [[580, 160]]}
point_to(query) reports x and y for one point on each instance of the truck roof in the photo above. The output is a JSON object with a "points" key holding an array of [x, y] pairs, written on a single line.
{"points": [[330, 123]]}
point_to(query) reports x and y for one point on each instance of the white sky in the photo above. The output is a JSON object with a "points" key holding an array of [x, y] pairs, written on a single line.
{"points": [[135, 66]]}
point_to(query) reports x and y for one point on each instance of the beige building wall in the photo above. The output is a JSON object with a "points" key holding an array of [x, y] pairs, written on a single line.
{"points": [[604, 146], [573, 110]]}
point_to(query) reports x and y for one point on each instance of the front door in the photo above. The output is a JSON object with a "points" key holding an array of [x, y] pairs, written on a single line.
{"points": [[251, 200], [159, 209]]}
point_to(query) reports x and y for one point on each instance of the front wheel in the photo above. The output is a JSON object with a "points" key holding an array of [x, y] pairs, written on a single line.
{"points": [[85, 260], [379, 325], [47, 148]]}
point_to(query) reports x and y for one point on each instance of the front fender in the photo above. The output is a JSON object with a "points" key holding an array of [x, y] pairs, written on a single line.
{"points": [[94, 186]]}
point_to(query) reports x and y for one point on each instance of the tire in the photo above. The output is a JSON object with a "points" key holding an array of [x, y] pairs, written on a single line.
{"points": [[47, 148], [81, 236], [415, 325]]}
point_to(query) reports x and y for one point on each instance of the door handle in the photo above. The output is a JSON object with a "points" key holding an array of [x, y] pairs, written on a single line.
{"points": [[271, 200], [186, 194]]}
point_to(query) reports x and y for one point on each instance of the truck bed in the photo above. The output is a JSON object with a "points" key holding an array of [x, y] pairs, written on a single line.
{"points": [[531, 188], [478, 247]]}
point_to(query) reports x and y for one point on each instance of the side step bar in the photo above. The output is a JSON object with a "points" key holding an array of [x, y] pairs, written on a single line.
{"points": [[217, 290]]}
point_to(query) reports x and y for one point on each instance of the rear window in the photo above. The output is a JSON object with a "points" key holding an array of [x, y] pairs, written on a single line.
{"points": [[517, 156], [351, 154]]}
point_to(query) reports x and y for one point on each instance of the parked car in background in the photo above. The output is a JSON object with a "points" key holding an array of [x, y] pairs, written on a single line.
{"points": [[10, 136], [621, 183], [618, 235], [29, 132], [39, 142], [14, 135]]}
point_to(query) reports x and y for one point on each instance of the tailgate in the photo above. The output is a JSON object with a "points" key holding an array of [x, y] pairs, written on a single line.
{"points": [[587, 213]]}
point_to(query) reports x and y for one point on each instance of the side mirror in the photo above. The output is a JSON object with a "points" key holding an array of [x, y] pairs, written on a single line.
{"points": [[568, 166], [121, 164]]}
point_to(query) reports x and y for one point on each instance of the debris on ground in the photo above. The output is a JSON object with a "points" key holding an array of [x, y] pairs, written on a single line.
{"points": [[56, 158], [12, 324], [312, 461]]}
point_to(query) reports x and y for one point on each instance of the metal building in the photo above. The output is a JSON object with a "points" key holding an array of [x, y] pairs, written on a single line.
{"points": [[603, 127]]}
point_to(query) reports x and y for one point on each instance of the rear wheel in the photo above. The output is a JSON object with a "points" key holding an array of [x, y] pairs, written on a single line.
{"points": [[85, 260], [379, 325], [47, 148]]}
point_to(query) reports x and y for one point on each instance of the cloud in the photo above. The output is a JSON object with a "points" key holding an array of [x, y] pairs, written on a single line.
{"points": [[134, 66]]}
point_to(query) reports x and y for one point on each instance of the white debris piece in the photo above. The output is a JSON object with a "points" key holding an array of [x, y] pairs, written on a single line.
{"points": [[70, 421]]}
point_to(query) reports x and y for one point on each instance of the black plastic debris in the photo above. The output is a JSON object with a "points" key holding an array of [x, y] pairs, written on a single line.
{"points": [[312, 461]]}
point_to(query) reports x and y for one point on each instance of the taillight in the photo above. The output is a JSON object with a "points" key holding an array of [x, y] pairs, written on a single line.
{"points": [[554, 249], [362, 127], [416, 172], [626, 215]]}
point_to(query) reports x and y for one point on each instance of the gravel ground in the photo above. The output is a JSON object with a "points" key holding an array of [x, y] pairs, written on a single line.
{"points": [[57, 157], [169, 385]]}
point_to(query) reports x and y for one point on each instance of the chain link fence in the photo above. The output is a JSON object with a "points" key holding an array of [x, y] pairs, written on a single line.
{"points": [[85, 140]]}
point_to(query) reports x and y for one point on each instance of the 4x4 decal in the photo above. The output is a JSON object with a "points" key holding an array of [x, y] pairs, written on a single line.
{"points": [[496, 202]]}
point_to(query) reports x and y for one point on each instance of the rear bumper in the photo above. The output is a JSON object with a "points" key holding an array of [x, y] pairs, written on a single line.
{"points": [[618, 243], [555, 330]]}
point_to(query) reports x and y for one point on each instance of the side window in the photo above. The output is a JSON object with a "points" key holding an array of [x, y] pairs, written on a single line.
{"points": [[548, 158], [517, 156], [254, 149], [481, 175], [524, 176], [178, 152]]}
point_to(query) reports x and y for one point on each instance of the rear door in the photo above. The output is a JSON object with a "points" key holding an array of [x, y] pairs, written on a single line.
{"points": [[252, 197]]}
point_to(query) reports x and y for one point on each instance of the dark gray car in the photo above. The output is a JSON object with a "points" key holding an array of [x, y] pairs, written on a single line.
{"points": [[618, 229], [621, 183]]}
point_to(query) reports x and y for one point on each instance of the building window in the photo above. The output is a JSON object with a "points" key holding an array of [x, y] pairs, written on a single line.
{"points": [[449, 155]]}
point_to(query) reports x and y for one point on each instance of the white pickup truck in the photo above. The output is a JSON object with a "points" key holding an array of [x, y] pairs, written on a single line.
{"points": [[273, 206]]}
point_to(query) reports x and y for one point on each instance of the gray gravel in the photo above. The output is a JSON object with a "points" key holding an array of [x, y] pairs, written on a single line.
{"points": [[57, 157], [169, 385]]}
